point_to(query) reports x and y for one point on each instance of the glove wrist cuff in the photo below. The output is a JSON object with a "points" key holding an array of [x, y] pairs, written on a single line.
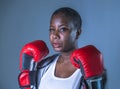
{"points": [[95, 83]]}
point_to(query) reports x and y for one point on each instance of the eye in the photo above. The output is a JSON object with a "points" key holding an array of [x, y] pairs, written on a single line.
{"points": [[63, 29], [51, 30]]}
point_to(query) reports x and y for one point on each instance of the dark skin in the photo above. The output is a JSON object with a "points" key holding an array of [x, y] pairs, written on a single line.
{"points": [[63, 36]]}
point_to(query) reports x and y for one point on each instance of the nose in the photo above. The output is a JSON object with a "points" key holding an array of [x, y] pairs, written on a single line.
{"points": [[56, 35]]}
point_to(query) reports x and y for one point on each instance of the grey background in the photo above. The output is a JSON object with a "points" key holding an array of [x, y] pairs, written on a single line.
{"points": [[22, 21]]}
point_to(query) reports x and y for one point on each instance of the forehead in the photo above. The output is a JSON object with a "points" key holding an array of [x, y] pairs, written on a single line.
{"points": [[60, 18]]}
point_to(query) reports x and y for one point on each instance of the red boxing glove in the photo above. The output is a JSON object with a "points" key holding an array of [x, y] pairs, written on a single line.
{"points": [[30, 55], [24, 79], [36, 49], [89, 60]]}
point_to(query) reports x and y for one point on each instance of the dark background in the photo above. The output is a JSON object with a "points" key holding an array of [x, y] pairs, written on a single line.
{"points": [[22, 21]]}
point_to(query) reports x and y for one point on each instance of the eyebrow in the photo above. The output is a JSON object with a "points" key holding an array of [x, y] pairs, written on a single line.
{"points": [[65, 25]]}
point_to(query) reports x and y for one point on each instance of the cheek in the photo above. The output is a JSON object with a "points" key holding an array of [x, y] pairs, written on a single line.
{"points": [[70, 40], [63, 38], [50, 37], [66, 39]]}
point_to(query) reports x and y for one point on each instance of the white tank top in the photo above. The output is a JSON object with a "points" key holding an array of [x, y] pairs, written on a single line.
{"points": [[50, 81]]}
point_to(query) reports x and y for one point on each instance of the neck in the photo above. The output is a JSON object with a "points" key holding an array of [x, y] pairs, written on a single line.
{"points": [[66, 55]]}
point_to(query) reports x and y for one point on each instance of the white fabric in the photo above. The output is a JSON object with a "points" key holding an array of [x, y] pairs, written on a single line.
{"points": [[50, 81]]}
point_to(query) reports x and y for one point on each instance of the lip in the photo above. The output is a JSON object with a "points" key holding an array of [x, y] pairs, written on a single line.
{"points": [[56, 45]]}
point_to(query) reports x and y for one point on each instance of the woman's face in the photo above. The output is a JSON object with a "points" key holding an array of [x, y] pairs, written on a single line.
{"points": [[62, 34]]}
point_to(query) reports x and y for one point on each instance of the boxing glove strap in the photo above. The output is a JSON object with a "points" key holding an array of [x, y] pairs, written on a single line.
{"points": [[28, 87], [96, 83], [28, 63]]}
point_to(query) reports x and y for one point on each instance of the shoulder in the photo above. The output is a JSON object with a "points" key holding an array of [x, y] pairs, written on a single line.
{"points": [[46, 61]]}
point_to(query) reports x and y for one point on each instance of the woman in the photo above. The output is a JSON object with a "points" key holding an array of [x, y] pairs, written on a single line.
{"points": [[57, 72]]}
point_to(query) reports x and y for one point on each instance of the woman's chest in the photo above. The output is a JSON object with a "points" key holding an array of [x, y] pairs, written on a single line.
{"points": [[64, 70]]}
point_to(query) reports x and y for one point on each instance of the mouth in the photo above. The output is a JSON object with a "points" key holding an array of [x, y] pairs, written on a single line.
{"points": [[56, 45]]}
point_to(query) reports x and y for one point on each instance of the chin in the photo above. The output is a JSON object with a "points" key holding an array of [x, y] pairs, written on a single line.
{"points": [[57, 50]]}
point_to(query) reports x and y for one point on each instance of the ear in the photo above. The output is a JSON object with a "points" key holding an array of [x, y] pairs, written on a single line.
{"points": [[78, 33]]}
